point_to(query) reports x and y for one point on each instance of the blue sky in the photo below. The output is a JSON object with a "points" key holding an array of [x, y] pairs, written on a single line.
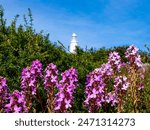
{"points": [[98, 23]]}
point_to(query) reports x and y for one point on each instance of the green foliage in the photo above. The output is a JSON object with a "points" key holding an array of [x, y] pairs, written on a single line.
{"points": [[144, 104], [20, 45]]}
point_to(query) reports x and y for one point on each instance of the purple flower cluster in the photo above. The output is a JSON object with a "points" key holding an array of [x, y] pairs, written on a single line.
{"points": [[16, 103], [29, 80], [115, 61], [94, 91], [36, 68], [29, 77], [3, 91], [97, 92], [66, 89], [96, 85], [111, 98], [50, 82], [133, 56], [121, 84], [50, 77], [135, 63], [105, 71]]}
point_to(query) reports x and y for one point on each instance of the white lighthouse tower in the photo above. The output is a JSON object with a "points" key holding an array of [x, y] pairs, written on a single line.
{"points": [[73, 44]]}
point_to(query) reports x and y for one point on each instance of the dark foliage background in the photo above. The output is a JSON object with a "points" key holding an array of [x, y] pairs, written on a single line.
{"points": [[20, 45]]}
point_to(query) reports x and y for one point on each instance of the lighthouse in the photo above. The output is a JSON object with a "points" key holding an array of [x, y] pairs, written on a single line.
{"points": [[73, 44]]}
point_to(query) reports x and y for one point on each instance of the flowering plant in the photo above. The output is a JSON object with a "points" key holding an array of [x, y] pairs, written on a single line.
{"points": [[114, 84], [66, 89], [50, 82], [97, 91], [3, 92]]}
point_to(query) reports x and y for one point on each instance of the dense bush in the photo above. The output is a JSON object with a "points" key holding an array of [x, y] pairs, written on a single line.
{"points": [[20, 45]]}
